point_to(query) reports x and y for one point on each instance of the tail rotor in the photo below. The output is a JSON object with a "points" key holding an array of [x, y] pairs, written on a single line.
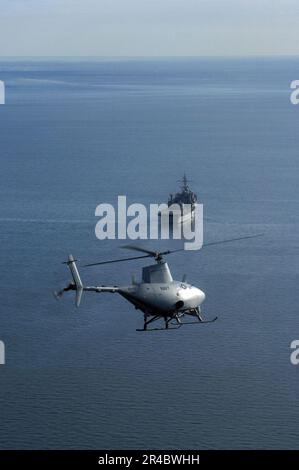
{"points": [[76, 285]]}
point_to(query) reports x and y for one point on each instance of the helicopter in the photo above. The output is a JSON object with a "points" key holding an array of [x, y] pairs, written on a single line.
{"points": [[158, 295]]}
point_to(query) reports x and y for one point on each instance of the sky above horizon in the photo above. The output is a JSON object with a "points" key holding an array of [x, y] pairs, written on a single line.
{"points": [[149, 27]]}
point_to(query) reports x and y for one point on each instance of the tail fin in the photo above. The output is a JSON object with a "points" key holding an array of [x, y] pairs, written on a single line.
{"points": [[71, 262]]}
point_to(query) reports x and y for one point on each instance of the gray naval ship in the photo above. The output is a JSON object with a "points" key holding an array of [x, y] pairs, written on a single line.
{"points": [[185, 199]]}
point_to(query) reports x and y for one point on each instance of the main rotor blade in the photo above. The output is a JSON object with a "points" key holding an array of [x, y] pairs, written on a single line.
{"points": [[151, 254], [232, 239], [214, 243], [168, 252], [116, 260], [137, 248]]}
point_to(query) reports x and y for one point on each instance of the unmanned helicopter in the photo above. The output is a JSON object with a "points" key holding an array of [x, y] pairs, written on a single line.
{"points": [[158, 295]]}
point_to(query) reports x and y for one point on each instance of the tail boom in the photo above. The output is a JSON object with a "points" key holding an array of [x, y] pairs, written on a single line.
{"points": [[77, 284]]}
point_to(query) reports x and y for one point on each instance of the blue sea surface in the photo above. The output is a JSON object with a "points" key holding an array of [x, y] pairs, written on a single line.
{"points": [[76, 133]]}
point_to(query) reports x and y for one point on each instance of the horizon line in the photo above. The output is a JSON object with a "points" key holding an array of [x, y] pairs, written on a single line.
{"points": [[124, 57]]}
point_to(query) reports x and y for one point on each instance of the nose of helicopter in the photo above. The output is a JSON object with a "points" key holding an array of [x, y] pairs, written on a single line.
{"points": [[192, 297], [200, 296]]}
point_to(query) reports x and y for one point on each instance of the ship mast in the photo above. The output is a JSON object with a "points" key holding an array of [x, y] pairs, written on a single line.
{"points": [[185, 183]]}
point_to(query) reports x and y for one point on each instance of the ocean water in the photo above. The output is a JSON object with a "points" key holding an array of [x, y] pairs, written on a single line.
{"points": [[78, 133]]}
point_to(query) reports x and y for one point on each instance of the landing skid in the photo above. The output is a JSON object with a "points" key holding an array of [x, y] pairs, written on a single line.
{"points": [[159, 329], [169, 325], [199, 322]]}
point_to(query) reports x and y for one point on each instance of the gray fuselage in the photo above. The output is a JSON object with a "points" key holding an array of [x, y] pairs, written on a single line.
{"points": [[164, 298]]}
